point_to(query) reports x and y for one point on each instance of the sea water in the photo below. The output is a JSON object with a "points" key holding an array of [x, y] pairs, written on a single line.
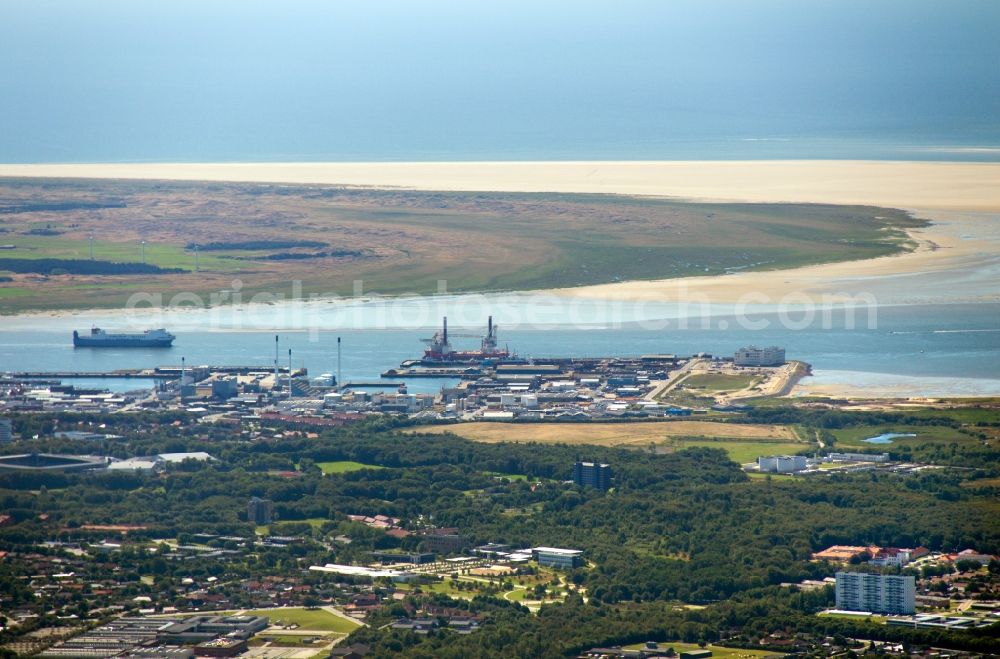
{"points": [[519, 80], [887, 437]]}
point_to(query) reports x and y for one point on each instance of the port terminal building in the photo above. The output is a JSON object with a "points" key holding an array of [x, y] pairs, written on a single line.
{"points": [[754, 356]]}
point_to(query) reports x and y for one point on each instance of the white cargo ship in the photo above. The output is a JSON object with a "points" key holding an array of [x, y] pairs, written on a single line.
{"points": [[98, 338]]}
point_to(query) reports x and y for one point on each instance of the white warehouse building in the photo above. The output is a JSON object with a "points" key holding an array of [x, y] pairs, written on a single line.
{"points": [[754, 356]]}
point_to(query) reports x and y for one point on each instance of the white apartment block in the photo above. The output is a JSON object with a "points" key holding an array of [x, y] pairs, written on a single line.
{"points": [[876, 593]]}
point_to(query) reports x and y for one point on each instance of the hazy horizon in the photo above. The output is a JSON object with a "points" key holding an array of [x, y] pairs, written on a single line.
{"points": [[116, 81]]}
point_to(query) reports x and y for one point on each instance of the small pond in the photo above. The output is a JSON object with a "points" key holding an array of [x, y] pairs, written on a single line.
{"points": [[887, 437]]}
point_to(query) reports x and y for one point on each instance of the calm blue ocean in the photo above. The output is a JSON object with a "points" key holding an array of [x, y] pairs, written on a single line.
{"points": [[194, 81]]}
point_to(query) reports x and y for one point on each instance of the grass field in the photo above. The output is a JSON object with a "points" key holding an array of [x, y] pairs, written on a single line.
{"points": [[744, 452], [742, 442], [716, 382], [879, 620], [310, 619], [400, 241], [447, 587], [973, 410], [854, 437], [982, 482], [612, 434], [718, 652], [344, 466], [757, 476], [280, 528]]}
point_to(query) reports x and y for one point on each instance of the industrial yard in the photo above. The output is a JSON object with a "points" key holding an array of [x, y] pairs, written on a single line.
{"points": [[491, 384]]}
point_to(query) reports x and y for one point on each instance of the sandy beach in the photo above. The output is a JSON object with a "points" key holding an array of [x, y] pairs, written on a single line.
{"points": [[858, 385], [956, 259], [908, 184]]}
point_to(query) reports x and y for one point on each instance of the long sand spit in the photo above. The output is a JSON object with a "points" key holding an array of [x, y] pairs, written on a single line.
{"points": [[941, 185], [955, 259]]}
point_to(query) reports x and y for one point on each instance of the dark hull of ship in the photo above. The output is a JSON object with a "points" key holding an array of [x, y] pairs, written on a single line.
{"points": [[84, 342]]}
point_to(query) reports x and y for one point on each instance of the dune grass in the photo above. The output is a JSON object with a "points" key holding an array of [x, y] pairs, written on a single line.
{"points": [[400, 241]]}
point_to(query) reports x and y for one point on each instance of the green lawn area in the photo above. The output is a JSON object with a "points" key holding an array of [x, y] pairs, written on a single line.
{"points": [[982, 482], [743, 452], [14, 292], [159, 254], [878, 620], [979, 409], [312, 619], [763, 477], [528, 595], [718, 652], [275, 527], [344, 466], [719, 381], [447, 587], [519, 595], [314, 522]]}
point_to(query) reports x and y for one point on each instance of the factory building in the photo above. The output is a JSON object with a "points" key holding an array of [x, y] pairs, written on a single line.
{"points": [[754, 356], [858, 457], [6, 430], [222, 647], [50, 462], [202, 628], [395, 557], [225, 388], [875, 593], [781, 464]]}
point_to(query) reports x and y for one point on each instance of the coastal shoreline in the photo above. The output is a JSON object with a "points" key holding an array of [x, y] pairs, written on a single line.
{"points": [[952, 261], [858, 386], [971, 186]]}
